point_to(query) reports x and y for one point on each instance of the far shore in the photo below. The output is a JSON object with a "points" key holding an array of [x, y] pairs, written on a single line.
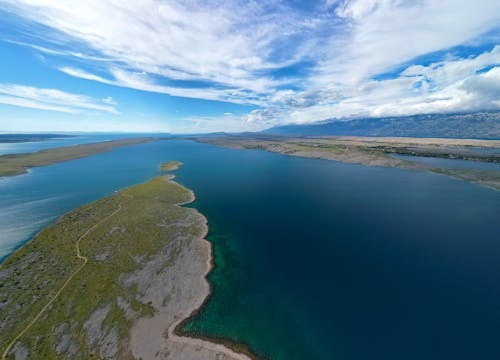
{"points": [[482, 143], [374, 151], [17, 164]]}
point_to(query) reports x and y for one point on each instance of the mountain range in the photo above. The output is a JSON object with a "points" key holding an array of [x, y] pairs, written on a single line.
{"points": [[479, 125]]}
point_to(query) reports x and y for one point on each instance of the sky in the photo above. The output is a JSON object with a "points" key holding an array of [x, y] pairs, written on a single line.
{"points": [[203, 66]]}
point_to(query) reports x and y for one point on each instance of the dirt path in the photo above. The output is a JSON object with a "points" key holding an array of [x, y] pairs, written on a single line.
{"points": [[79, 256]]}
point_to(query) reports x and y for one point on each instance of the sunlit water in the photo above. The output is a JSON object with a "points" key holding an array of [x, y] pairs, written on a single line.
{"points": [[315, 259]]}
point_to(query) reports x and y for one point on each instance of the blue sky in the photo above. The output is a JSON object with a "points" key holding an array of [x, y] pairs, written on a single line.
{"points": [[197, 66]]}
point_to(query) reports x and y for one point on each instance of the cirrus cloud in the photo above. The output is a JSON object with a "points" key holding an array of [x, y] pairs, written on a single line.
{"points": [[52, 99]]}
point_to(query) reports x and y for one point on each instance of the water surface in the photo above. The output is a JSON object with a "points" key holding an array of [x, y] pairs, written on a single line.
{"points": [[315, 259], [32, 146]]}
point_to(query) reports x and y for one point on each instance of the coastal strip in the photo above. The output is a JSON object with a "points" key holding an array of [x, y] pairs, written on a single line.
{"points": [[370, 151], [17, 164], [112, 279]]}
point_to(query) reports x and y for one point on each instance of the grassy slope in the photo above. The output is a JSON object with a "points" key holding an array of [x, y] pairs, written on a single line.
{"points": [[16, 164], [31, 276]]}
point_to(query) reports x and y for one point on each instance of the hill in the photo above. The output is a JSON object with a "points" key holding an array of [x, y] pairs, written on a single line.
{"points": [[480, 125]]}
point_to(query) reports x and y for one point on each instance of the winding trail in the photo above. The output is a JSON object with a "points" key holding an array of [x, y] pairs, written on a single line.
{"points": [[79, 256], [172, 336]]}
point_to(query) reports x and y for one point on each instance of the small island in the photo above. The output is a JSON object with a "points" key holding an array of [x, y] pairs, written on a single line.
{"points": [[111, 280], [170, 166]]}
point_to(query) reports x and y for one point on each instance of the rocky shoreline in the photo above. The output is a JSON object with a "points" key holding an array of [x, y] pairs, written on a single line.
{"points": [[145, 275]]}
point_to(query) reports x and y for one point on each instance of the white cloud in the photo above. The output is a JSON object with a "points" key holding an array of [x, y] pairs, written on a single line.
{"points": [[227, 51], [16, 101], [109, 100], [227, 44], [447, 86], [59, 52], [141, 81], [265, 116], [225, 123], [382, 34], [52, 99]]}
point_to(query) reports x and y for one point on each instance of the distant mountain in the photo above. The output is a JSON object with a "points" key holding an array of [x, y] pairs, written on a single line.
{"points": [[481, 125]]}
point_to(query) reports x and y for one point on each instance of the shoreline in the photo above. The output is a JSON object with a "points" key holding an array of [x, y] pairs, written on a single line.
{"points": [[240, 350], [20, 163], [175, 333], [351, 151], [166, 321]]}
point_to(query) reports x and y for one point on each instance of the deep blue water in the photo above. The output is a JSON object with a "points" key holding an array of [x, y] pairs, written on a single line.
{"points": [[315, 259]]}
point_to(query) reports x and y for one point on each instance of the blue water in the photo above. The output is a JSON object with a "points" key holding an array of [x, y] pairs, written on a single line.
{"points": [[451, 163], [31, 146], [315, 259]]}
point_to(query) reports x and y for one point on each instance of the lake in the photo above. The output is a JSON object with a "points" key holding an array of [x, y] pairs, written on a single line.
{"points": [[315, 259]]}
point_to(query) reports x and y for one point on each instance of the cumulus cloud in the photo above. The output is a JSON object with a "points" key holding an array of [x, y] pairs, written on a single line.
{"points": [[381, 34], [483, 89], [463, 84], [52, 99], [265, 116]]}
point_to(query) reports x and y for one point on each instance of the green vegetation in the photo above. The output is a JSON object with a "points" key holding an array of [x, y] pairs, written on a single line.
{"points": [[92, 316], [170, 166], [16, 164]]}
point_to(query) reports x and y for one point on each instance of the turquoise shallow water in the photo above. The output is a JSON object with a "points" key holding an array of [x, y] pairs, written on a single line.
{"points": [[315, 259]]}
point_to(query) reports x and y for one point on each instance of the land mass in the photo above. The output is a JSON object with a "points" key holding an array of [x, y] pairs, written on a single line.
{"points": [[377, 151], [111, 280], [16, 164], [16, 138], [479, 125], [170, 166]]}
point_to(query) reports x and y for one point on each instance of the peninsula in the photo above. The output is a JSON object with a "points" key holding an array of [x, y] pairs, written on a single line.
{"points": [[18, 138], [377, 151], [16, 164], [111, 280]]}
